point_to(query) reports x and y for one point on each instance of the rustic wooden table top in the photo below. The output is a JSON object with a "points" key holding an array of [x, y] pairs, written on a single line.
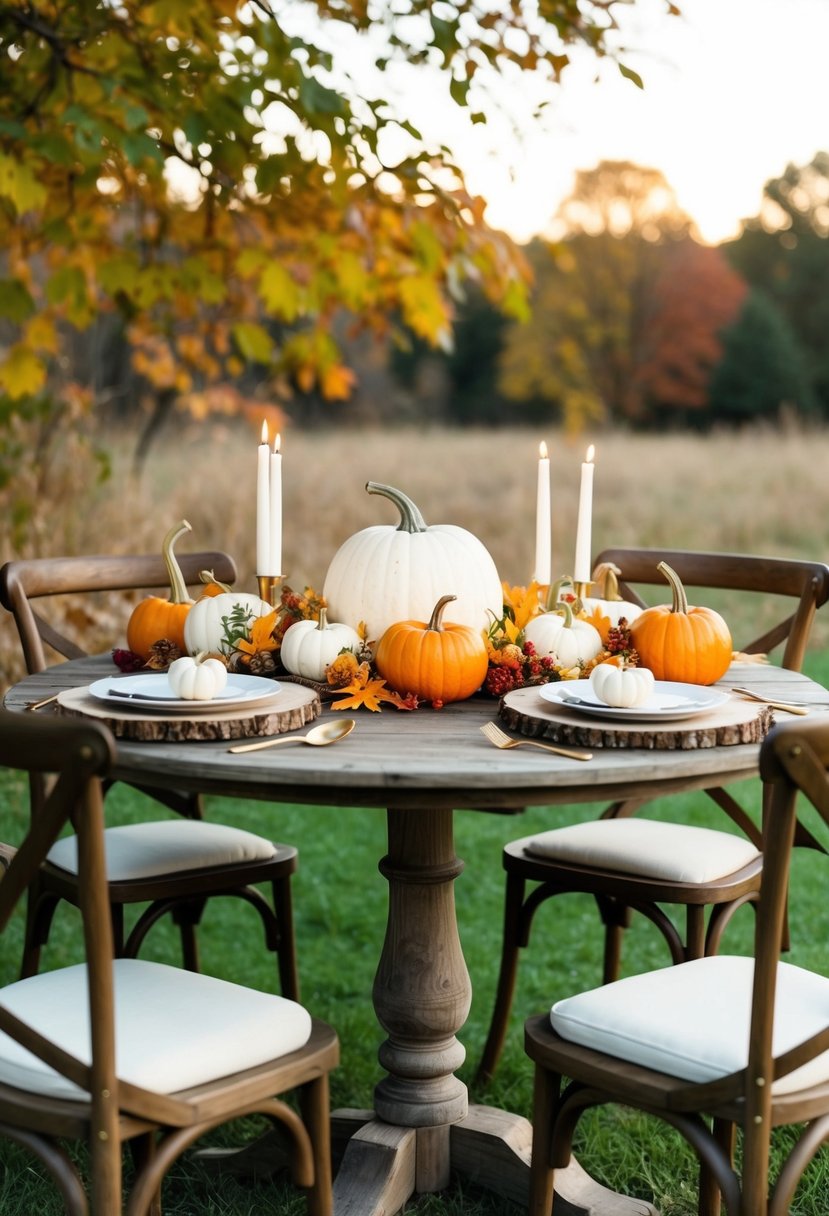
{"points": [[396, 758]]}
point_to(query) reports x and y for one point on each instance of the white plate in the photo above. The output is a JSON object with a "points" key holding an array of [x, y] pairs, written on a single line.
{"points": [[153, 691], [669, 702]]}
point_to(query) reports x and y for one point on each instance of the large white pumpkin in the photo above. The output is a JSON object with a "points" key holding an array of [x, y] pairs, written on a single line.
{"points": [[389, 573]]}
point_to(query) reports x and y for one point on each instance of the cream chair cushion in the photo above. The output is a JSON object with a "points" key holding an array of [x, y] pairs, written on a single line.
{"points": [[692, 1020], [173, 1028], [142, 850], [672, 851]]}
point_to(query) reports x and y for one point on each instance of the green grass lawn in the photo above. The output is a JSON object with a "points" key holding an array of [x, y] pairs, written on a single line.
{"points": [[340, 900]]}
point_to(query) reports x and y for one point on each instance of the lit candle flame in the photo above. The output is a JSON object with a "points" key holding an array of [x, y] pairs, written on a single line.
{"points": [[542, 450], [591, 452], [264, 438], [277, 443]]}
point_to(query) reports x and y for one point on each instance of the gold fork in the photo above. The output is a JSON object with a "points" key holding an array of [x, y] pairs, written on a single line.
{"points": [[501, 739]]}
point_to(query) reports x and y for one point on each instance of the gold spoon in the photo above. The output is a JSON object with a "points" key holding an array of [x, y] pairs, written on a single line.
{"points": [[318, 736]]}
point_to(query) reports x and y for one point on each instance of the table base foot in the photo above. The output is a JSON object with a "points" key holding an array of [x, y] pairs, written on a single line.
{"points": [[493, 1148], [383, 1165], [378, 1171]]}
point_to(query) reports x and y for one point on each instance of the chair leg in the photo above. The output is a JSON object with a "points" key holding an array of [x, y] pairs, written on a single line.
{"points": [[694, 931], [286, 947], [615, 918], [710, 1196], [40, 909], [505, 990], [187, 916], [546, 1090], [142, 1150], [314, 1105]]}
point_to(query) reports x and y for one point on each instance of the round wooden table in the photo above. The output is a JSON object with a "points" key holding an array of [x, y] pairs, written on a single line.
{"points": [[422, 766]]}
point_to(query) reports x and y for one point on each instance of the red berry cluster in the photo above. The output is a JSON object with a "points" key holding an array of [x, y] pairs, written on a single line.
{"points": [[521, 668], [127, 660], [618, 642]]}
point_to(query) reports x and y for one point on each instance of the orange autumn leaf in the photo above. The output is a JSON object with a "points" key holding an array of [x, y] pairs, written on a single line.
{"points": [[261, 635], [601, 623], [365, 690]]}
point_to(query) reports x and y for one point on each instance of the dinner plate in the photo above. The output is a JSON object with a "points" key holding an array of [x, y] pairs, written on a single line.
{"points": [[152, 691], [669, 702]]}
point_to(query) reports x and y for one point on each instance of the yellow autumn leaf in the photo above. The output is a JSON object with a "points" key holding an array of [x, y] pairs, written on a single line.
{"points": [[19, 184], [424, 308], [279, 292], [22, 373], [41, 333]]}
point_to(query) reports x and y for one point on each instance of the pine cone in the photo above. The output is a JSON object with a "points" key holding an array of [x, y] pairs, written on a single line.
{"points": [[162, 654], [262, 663]]}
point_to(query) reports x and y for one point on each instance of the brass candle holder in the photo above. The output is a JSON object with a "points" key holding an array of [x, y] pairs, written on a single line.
{"points": [[269, 585], [582, 590]]}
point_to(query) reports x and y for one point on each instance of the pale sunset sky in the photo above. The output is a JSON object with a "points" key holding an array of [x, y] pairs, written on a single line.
{"points": [[734, 91]]}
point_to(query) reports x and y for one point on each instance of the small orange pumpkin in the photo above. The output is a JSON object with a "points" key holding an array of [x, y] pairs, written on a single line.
{"points": [[434, 661], [154, 618], [692, 645]]}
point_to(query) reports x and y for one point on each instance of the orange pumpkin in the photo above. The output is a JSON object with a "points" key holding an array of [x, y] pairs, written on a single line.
{"points": [[154, 618], [692, 645], [434, 661]]}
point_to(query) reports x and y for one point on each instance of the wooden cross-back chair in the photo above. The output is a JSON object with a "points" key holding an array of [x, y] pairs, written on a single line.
{"points": [[640, 864], [123, 1051], [173, 865], [712, 1046]]}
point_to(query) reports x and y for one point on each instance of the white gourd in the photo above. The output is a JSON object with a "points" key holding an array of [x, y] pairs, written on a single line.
{"points": [[197, 678], [203, 629], [622, 687], [564, 636], [309, 646], [386, 573]]}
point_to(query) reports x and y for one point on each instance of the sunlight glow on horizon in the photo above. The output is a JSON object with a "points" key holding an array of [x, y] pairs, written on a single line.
{"points": [[733, 93]]}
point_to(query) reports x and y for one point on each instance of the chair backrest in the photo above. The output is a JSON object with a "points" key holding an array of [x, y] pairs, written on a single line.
{"points": [[805, 582], [26, 580], [79, 754], [793, 761]]}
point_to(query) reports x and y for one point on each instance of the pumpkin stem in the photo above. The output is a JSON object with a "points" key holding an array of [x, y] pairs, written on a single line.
{"points": [[436, 619], [323, 621], [209, 579], [606, 575], [411, 519], [680, 603], [178, 587], [554, 592], [564, 609]]}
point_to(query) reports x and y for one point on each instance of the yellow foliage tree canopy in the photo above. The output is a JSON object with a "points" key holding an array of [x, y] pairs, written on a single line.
{"points": [[209, 177]]}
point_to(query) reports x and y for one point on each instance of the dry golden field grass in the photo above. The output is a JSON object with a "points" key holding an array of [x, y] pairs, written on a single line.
{"points": [[762, 492]]}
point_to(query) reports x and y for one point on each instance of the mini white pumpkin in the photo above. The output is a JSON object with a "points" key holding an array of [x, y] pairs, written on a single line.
{"points": [[387, 573], [309, 646], [203, 627], [563, 635], [622, 686], [197, 678]]}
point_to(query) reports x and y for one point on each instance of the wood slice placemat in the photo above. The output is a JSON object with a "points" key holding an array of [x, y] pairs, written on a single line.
{"points": [[737, 721], [291, 708]]}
